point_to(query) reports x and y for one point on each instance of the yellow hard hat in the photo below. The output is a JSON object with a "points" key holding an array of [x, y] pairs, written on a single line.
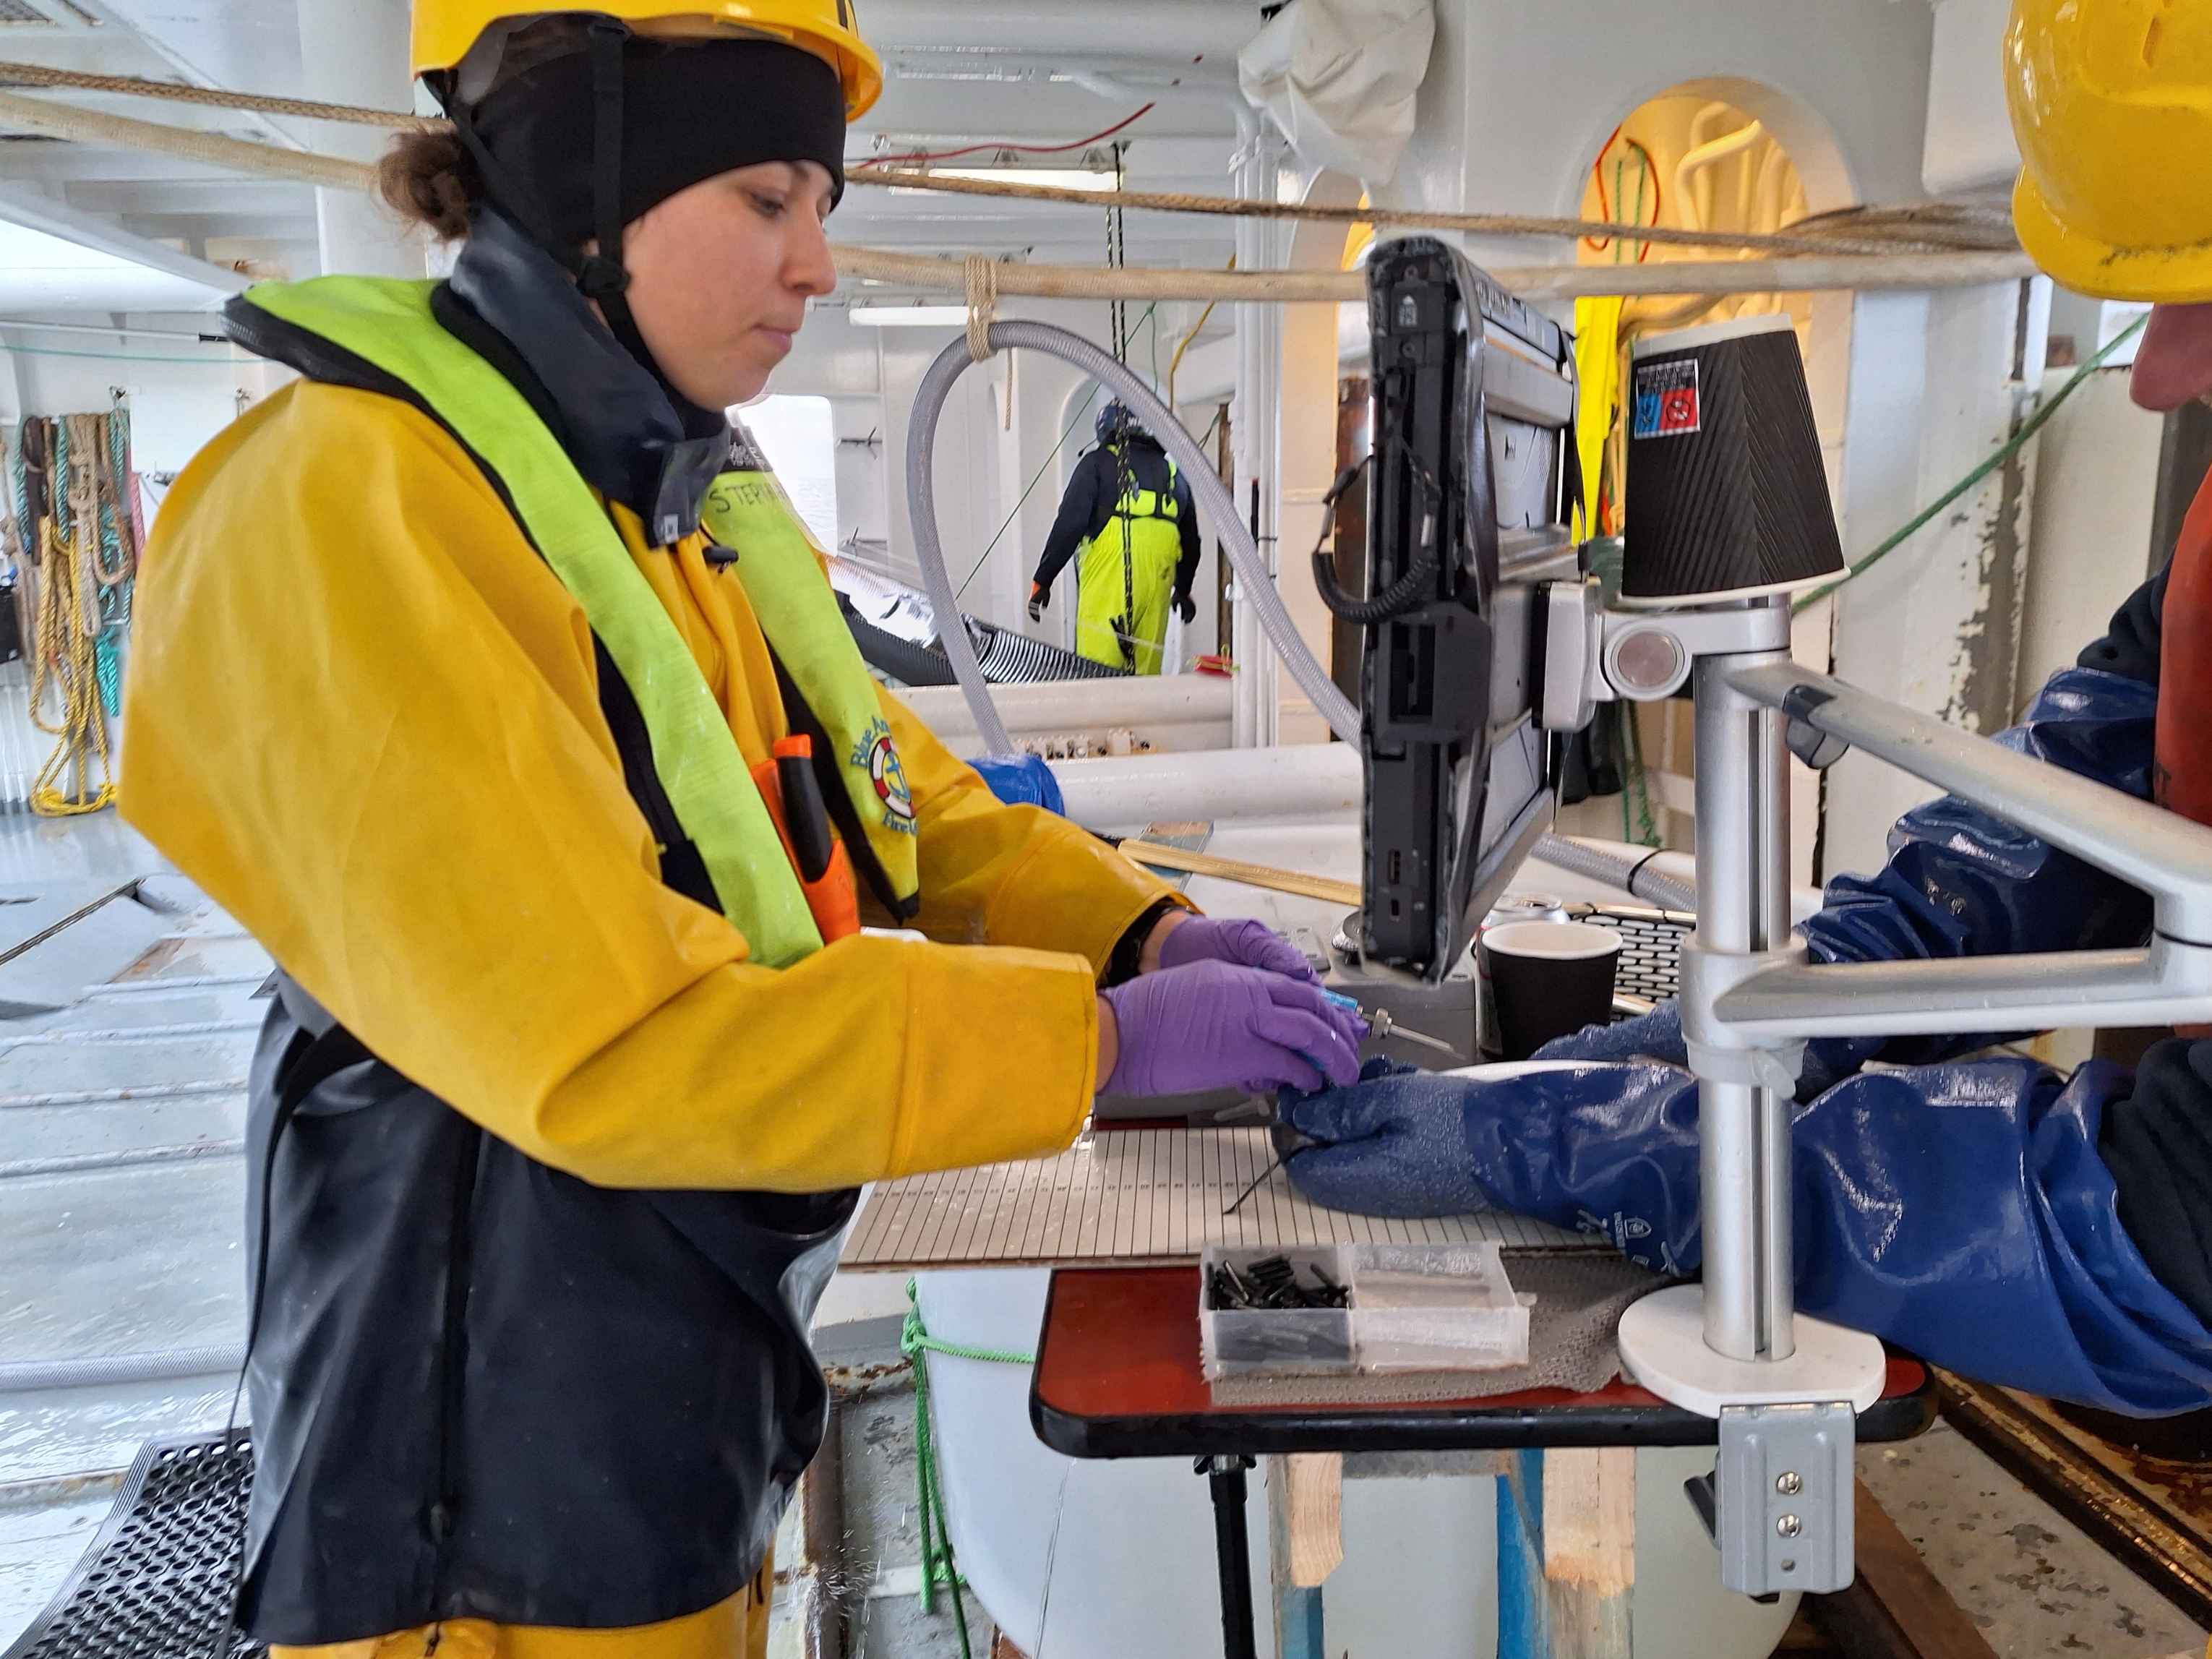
{"points": [[2113, 103], [446, 30]]}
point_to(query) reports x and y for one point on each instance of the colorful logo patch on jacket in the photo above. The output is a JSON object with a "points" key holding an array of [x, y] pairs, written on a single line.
{"points": [[880, 757]]}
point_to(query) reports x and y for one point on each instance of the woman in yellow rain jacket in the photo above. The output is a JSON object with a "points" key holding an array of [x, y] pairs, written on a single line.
{"points": [[484, 675]]}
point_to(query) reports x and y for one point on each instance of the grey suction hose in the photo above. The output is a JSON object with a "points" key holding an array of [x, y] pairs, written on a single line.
{"points": [[116, 1370], [1256, 584], [1631, 871]]}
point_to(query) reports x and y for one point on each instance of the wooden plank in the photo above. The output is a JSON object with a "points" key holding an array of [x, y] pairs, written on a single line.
{"points": [[1304, 1524], [1524, 1606], [1267, 876], [1590, 1551], [1805, 1640], [1299, 1624], [1313, 1505]]}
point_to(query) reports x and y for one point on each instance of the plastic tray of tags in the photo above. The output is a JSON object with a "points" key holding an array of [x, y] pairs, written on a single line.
{"points": [[1409, 1308], [1260, 1341], [1435, 1307]]}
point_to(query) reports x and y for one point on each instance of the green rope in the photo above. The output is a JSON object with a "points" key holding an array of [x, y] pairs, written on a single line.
{"points": [[58, 466], [938, 1569], [1637, 782], [107, 670], [2028, 428], [20, 475], [115, 597]]}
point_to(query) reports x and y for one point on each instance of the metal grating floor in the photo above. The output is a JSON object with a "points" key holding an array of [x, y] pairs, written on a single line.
{"points": [[157, 1581]]}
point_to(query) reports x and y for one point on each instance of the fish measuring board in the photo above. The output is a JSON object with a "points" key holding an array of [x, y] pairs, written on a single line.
{"points": [[1133, 1195]]}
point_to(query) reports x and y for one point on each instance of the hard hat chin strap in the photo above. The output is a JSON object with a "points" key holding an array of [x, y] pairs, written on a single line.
{"points": [[601, 276]]}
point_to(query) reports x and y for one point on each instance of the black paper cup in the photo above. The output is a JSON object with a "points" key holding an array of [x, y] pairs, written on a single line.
{"points": [[1549, 979]]}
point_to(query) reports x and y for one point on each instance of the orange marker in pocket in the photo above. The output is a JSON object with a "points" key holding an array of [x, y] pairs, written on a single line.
{"points": [[794, 793]]}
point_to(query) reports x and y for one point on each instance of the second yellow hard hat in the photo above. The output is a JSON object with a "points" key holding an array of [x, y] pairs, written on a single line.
{"points": [[2113, 103]]}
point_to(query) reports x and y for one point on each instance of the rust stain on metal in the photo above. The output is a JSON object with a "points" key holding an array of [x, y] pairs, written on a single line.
{"points": [[1986, 666], [858, 1382], [2154, 1514], [2186, 1489], [52, 1490], [149, 965]]}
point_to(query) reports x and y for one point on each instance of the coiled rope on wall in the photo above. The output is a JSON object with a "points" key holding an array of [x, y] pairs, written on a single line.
{"points": [[74, 535]]}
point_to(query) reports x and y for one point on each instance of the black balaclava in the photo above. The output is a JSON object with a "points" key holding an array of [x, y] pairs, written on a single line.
{"points": [[576, 147]]}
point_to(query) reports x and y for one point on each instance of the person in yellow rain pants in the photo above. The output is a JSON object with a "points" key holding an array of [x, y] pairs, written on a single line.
{"points": [[484, 674], [1131, 515]]}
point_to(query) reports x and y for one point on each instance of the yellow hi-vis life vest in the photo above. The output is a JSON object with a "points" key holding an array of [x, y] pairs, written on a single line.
{"points": [[389, 324], [1127, 573]]}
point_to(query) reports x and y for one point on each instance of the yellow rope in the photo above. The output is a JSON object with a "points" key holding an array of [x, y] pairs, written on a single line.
{"points": [[1197, 329], [65, 666], [68, 627]]}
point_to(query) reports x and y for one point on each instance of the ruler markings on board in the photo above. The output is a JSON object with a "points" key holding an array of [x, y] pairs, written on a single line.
{"points": [[1148, 1194]]}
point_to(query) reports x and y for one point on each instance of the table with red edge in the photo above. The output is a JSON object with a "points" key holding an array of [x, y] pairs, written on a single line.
{"points": [[1118, 1375]]}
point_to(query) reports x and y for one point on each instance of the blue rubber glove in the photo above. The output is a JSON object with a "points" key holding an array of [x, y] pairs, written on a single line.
{"points": [[1022, 781], [1656, 1036], [1236, 939], [1961, 1212], [1209, 1025], [1409, 1143]]}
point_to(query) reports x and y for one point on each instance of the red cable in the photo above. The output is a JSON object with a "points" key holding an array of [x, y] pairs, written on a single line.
{"points": [[1026, 149], [1599, 244]]}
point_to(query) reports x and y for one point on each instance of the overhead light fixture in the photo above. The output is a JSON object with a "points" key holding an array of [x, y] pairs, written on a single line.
{"points": [[910, 316]]}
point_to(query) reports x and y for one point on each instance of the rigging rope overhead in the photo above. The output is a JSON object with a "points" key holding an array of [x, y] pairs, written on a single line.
{"points": [[1845, 271], [1476, 224], [86, 126], [1866, 232], [131, 86], [1687, 277]]}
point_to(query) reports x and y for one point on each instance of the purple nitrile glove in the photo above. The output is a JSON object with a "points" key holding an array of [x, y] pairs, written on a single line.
{"points": [[1236, 940], [1214, 1026], [1243, 943]]}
